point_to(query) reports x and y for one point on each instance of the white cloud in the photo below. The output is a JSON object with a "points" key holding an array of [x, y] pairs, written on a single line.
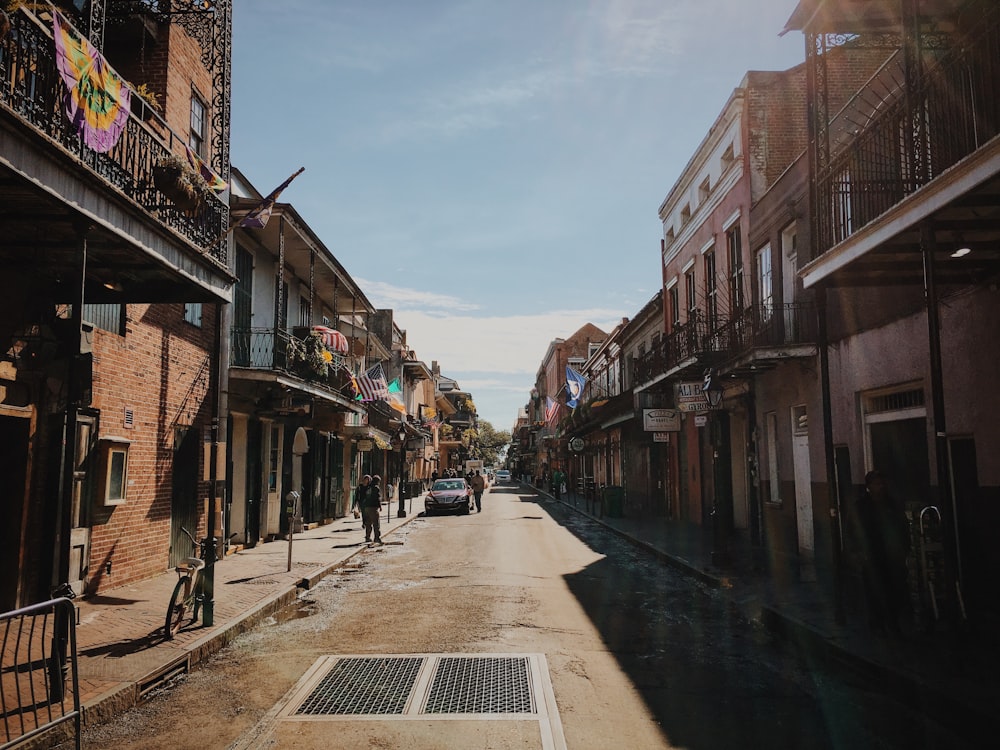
{"points": [[495, 357]]}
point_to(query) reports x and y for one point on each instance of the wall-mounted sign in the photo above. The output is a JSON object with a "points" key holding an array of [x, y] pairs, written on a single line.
{"points": [[576, 444], [365, 445], [691, 397], [661, 420], [701, 420], [661, 437]]}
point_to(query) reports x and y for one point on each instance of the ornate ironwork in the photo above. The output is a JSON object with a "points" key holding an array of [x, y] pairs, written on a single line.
{"points": [[943, 110], [32, 90]]}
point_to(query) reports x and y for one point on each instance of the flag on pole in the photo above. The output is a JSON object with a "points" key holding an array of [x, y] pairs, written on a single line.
{"points": [[257, 218], [551, 409], [574, 386], [372, 385]]}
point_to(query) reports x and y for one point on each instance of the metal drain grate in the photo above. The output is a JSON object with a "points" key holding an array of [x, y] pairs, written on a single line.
{"points": [[477, 685], [364, 686]]}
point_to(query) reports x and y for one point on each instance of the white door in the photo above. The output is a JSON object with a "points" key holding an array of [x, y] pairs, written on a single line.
{"points": [[272, 482], [803, 489]]}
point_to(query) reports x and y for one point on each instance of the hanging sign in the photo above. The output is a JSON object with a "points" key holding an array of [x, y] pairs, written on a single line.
{"points": [[691, 397], [576, 444], [661, 437], [365, 445], [661, 420]]}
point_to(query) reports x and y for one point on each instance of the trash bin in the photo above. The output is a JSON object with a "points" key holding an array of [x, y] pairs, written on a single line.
{"points": [[614, 501]]}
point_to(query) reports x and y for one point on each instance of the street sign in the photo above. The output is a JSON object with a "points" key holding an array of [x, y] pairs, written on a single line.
{"points": [[661, 420]]}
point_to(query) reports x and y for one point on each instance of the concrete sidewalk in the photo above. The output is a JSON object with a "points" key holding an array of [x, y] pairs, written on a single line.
{"points": [[951, 675], [122, 654]]}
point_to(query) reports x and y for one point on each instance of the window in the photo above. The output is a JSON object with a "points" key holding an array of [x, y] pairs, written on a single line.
{"points": [[110, 317], [674, 300], [274, 455], [764, 281], [115, 477], [711, 299], [686, 214], [303, 311], [704, 190], [735, 245], [196, 137], [192, 313], [692, 295]]}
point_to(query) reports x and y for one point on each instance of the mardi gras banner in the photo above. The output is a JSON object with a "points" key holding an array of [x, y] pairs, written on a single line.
{"points": [[97, 100]]}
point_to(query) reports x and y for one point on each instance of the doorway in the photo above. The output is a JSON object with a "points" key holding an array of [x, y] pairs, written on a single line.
{"points": [[802, 471], [15, 429], [184, 493]]}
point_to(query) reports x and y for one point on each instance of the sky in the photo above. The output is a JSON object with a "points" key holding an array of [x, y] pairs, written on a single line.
{"points": [[491, 169]]}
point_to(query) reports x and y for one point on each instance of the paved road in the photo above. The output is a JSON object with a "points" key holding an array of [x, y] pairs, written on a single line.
{"points": [[607, 646]]}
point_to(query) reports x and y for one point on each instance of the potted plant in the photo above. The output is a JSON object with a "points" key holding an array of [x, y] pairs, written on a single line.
{"points": [[185, 188]]}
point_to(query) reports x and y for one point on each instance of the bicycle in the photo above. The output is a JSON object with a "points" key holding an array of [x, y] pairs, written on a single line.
{"points": [[188, 593]]}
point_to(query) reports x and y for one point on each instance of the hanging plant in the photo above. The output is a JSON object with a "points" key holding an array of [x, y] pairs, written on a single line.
{"points": [[185, 188], [309, 355]]}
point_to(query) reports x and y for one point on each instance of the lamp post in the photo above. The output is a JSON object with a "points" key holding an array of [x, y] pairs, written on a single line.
{"points": [[713, 391], [401, 512]]}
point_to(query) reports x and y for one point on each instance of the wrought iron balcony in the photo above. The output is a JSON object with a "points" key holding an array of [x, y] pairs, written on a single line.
{"points": [[891, 142], [270, 349], [755, 332], [31, 90], [769, 327]]}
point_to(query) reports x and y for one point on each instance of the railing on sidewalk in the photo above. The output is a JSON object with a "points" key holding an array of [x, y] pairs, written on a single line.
{"points": [[39, 683]]}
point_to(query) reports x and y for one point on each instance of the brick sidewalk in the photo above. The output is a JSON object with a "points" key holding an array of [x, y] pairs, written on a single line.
{"points": [[122, 653]]}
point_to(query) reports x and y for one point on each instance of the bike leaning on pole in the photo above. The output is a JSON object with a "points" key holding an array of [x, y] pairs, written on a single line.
{"points": [[188, 594]]}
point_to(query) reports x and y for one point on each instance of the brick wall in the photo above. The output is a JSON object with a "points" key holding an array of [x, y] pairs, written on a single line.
{"points": [[161, 371]]}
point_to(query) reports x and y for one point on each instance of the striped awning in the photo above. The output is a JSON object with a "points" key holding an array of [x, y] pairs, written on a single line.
{"points": [[333, 340]]}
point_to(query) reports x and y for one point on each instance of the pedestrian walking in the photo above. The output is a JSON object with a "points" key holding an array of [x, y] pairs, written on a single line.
{"points": [[881, 545], [359, 495], [370, 511], [478, 487]]}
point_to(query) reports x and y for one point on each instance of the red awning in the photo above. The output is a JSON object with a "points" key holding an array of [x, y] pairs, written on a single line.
{"points": [[333, 340]]}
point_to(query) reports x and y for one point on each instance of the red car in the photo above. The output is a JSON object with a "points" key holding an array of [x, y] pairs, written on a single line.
{"points": [[450, 495]]}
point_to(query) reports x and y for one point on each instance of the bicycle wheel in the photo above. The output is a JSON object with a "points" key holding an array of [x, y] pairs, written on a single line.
{"points": [[175, 611]]}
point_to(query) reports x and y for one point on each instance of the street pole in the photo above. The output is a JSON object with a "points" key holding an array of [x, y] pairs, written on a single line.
{"points": [[401, 512]]}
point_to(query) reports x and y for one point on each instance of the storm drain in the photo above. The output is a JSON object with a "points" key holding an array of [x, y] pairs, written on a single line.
{"points": [[480, 685], [420, 687], [363, 686]]}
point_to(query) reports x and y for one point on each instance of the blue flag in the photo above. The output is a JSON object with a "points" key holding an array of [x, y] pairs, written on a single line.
{"points": [[574, 386]]}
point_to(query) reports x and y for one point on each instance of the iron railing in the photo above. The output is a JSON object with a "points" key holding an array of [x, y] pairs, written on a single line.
{"points": [[912, 140], [704, 344], [771, 326], [39, 682], [270, 349], [31, 89]]}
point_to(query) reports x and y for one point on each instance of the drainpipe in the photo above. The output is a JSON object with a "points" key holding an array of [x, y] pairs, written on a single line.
{"points": [[927, 247], [833, 491]]}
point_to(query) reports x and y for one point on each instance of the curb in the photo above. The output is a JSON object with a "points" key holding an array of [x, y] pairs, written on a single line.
{"points": [[127, 695]]}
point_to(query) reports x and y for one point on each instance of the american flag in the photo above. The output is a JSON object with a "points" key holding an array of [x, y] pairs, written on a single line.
{"points": [[551, 409], [372, 385]]}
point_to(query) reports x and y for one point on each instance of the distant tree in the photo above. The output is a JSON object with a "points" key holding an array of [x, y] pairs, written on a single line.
{"points": [[492, 444]]}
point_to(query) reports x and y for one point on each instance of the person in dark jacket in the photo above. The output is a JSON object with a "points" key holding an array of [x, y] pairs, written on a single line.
{"points": [[372, 504], [359, 495], [882, 538]]}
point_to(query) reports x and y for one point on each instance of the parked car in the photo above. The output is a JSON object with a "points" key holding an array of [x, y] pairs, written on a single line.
{"points": [[503, 476], [448, 495]]}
